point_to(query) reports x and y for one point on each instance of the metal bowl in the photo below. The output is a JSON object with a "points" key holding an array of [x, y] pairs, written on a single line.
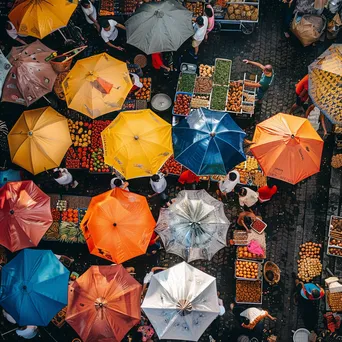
{"points": [[161, 102]]}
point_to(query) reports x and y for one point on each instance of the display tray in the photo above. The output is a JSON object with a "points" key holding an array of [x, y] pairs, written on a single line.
{"points": [[211, 94], [240, 12], [243, 254], [255, 287], [333, 301], [249, 262], [186, 75], [183, 93], [217, 60], [256, 228]]}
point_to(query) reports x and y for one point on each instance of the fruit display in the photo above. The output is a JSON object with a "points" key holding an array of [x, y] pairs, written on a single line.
{"points": [[203, 85], [248, 97], [247, 269], [182, 104], [258, 225], [337, 129], [56, 215], [218, 98], [335, 242], [247, 108], [248, 291], [186, 82], [259, 179], [234, 97], [242, 252], [222, 71], [240, 166], [71, 215], [128, 105], [310, 250], [97, 163], [173, 166], [200, 100], [335, 251], [81, 214], [195, 7], [129, 6], [217, 178], [106, 8], [335, 229], [206, 70], [244, 177], [335, 301], [77, 158], [80, 133], [251, 164], [52, 234], [70, 232], [242, 12], [240, 238], [145, 91], [62, 205], [309, 264], [336, 161]]}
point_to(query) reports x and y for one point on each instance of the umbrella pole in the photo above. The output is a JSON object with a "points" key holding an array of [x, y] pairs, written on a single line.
{"points": [[50, 335], [7, 332], [47, 99], [62, 34]]}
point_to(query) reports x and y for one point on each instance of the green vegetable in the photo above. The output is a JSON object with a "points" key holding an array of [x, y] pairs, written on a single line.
{"points": [[186, 83], [222, 72], [218, 98]]}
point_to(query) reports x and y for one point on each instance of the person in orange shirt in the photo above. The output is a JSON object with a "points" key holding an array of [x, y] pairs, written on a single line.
{"points": [[302, 94]]}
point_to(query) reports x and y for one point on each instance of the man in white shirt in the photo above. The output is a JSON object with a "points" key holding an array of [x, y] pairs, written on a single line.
{"points": [[229, 183], [90, 13], [27, 332], [200, 27], [117, 182], [109, 32], [158, 184], [64, 177], [13, 33], [248, 197]]}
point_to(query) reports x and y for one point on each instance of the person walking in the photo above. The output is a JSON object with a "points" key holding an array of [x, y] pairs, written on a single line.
{"points": [[302, 94], [63, 177], [110, 33], [248, 197], [200, 27], [230, 181], [209, 12], [90, 13]]}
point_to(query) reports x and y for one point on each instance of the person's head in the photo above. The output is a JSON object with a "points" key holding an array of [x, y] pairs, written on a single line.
{"points": [[268, 70], [270, 275], [208, 12], [232, 176], [315, 293], [199, 21], [56, 174], [218, 293], [155, 178], [105, 24], [85, 3], [8, 25], [118, 182], [245, 320], [242, 192]]}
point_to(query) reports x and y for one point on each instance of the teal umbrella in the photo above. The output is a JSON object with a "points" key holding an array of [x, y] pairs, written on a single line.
{"points": [[5, 67], [34, 287]]}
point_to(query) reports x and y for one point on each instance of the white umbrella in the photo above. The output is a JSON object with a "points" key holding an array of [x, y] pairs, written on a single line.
{"points": [[181, 302], [194, 226]]}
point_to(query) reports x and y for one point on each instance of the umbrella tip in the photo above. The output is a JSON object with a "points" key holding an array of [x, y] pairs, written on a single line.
{"points": [[159, 14], [114, 224], [292, 136], [11, 212], [212, 134], [136, 137], [30, 133]]}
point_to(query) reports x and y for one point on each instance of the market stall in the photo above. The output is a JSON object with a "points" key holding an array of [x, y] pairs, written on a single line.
{"points": [[334, 246]]}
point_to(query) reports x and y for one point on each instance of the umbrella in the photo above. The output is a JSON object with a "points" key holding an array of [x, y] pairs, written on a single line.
{"points": [[194, 226], [118, 225], [325, 83], [208, 142], [9, 176], [104, 303], [137, 143], [31, 77], [159, 26], [39, 139], [39, 18], [34, 287], [25, 215], [181, 302], [287, 147], [97, 85], [5, 67]]}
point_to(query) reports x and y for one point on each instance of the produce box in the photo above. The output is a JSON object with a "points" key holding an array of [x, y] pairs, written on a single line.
{"points": [[242, 253], [218, 98], [173, 166], [71, 215], [234, 97], [129, 6], [62, 205], [145, 92], [206, 70], [128, 105], [203, 85], [182, 104], [109, 8], [195, 7], [186, 82], [248, 292], [335, 227], [70, 232], [242, 12], [188, 68], [52, 234], [200, 100], [248, 270], [258, 226], [81, 214], [240, 238], [222, 71], [309, 264], [334, 300]]}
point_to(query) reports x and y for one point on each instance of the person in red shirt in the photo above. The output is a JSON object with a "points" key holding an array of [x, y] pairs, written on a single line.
{"points": [[302, 94], [157, 61], [188, 177], [267, 192]]}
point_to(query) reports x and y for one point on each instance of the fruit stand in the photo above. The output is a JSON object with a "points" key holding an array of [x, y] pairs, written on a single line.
{"points": [[111, 8], [334, 247]]}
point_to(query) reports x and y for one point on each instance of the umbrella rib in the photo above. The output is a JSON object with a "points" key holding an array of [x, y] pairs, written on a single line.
{"points": [[191, 146]]}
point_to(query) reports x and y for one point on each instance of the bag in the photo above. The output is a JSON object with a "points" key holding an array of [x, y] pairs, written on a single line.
{"points": [[308, 28], [254, 247]]}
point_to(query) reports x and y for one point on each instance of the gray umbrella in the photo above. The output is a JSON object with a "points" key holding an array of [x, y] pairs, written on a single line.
{"points": [[194, 226], [159, 26]]}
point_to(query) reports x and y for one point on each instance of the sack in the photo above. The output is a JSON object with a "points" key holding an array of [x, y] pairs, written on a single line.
{"points": [[308, 28]]}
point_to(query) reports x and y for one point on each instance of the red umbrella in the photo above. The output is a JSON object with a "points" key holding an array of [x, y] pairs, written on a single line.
{"points": [[25, 215], [104, 304]]}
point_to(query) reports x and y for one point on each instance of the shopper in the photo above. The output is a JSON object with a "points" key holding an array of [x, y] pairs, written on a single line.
{"points": [[267, 192], [157, 62], [316, 118], [200, 26], [265, 80], [228, 184], [64, 177], [309, 291], [288, 7], [13, 33], [110, 33], [137, 85], [248, 197], [117, 182], [302, 94], [90, 13], [209, 12], [245, 219], [158, 184], [188, 177], [27, 332]]}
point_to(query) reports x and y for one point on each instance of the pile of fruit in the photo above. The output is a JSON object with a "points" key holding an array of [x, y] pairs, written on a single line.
{"points": [[251, 164], [203, 85], [80, 133], [173, 166], [182, 104], [335, 251], [195, 7], [97, 163], [336, 161], [309, 264], [242, 252], [247, 269], [128, 105], [335, 301], [71, 215], [206, 70], [240, 238], [234, 97], [77, 158], [242, 12], [56, 215], [336, 227], [70, 232], [145, 91], [335, 242], [248, 291], [62, 205]]}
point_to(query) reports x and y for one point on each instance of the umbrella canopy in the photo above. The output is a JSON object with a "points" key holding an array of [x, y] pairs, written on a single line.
{"points": [[104, 304], [9, 176], [97, 85], [208, 142], [137, 143], [194, 226], [118, 225], [39, 18], [287, 147], [159, 26], [25, 215], [5, 67], [325, 83], [181, 302], [31, 77], [39, 139], [34, 287]]}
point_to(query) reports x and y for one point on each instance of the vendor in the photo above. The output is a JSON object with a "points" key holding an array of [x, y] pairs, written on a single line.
{"points": [[245, 219], [110, 32], [137, 85]]}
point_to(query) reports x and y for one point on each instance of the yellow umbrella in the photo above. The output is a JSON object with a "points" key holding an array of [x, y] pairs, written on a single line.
{"points": [[137, 143], [38, 18], [97, 85], [39, 139]]}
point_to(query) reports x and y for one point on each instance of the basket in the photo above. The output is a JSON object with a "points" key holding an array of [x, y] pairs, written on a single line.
{"points": [[140, 60], [66, 64], [271, 266], [301, 335], [60, 67]]}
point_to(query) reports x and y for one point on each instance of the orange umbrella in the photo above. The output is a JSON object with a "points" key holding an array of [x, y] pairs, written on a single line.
{"points": [[287, 147], [104, 303], [118, 225], [25, 215]]}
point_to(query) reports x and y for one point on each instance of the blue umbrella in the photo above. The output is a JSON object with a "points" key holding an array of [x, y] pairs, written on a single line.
{"points": [[9, 176], [34, 287], [208, 142]]}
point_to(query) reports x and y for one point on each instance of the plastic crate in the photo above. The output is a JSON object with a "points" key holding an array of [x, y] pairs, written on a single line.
{"points": [[184, 93]]}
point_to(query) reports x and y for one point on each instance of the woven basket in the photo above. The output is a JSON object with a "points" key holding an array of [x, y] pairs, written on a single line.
{"points": [[60, 67], [141, 60], [271, 266]]}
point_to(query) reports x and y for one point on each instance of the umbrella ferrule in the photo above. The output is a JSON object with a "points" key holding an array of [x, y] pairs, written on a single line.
{"points": [[11, 212], [159, 13], [212, 134], [136, 137]]}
